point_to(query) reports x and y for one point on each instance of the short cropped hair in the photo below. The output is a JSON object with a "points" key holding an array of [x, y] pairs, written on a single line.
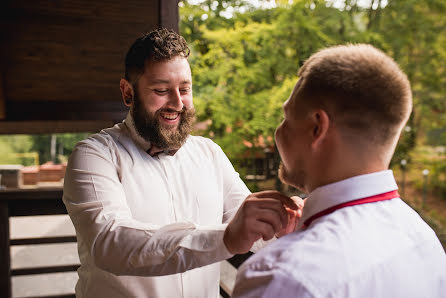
{"points": [[159, 45], [361, 88]]}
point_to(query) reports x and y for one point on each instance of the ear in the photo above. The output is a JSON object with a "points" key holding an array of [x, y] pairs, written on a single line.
{"points": [[127, 92], [321, 124]]}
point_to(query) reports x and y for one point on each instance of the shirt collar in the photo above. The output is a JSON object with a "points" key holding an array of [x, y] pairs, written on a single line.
{"points": [[140, 141], [350, 189]]}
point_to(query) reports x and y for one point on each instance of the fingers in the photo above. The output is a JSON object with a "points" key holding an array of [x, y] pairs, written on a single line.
{"points": [[298, 201], [266, 230], [271, 207], [269, 217], [287, 201]]}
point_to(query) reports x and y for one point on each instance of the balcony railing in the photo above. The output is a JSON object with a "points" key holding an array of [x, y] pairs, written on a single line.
{"points": [[46, 202]]}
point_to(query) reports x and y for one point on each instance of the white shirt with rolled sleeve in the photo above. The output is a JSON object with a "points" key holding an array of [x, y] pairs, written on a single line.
{"points": [[380, 249], [149, 226]]}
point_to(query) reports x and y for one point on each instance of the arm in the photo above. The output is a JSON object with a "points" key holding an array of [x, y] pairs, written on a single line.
{"points": [[96, 202], [252, 218]]}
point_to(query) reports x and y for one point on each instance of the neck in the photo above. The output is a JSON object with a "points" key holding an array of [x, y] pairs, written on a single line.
{"points": [[346, 163]]}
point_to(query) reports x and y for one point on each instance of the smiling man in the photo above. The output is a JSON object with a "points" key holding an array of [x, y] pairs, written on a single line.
{"points": [[356, 237], [150, 202]]}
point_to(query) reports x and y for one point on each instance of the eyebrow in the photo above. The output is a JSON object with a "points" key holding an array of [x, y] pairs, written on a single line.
{"points": [[161, 81]]}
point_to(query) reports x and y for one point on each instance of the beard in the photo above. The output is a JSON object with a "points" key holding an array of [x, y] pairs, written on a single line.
{"points": [[148, 126], [297, 180]]}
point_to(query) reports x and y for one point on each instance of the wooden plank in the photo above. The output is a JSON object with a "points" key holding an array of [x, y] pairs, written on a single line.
{"points": [[31, 194], [130, 10], [44, 270], [73, 50], [43, 127], [58, 296], [36, 207], [43, 240], [5, 258], [37, 110], [169, 16]]}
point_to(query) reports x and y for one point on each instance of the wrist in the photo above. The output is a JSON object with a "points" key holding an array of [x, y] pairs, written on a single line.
{"points": [[227, 242]]}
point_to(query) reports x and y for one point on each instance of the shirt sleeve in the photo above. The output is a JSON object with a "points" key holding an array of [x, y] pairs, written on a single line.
{"points": [[117, 243], [253, 281]]}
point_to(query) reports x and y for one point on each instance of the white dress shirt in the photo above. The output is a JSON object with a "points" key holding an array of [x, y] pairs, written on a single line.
{"points": [[381, 249], [149, 226]]}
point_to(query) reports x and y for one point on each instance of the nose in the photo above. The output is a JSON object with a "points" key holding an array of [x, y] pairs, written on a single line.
{"points": [[175, 100]]}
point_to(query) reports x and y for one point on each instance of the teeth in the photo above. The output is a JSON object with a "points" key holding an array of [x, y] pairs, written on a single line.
{"points": [[170, 116]]}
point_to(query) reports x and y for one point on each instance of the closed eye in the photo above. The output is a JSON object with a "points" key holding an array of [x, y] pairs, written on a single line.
{"points": [[185, 90], [161, 91]]}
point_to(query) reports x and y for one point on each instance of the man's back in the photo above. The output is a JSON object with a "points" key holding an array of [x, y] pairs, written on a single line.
{"points": [[383, 249]]}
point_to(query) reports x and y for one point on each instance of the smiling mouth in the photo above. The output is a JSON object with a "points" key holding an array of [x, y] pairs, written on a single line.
{"points": [[169, 116]]}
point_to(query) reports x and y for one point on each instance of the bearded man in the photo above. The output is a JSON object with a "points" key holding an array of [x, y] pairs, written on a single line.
{"points": [[150, 202]]}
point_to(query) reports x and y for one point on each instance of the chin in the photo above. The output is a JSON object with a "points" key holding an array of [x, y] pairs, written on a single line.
{"points": [[294, 180]]}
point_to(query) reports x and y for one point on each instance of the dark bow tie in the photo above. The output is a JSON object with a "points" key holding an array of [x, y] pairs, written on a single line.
{"points": [[154, 151]]}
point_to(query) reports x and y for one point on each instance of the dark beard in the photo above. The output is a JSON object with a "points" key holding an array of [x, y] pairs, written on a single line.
{"points": [[149, 128]]}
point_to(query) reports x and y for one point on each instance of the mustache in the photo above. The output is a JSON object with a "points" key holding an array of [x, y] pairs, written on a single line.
{"points": [[167, 110]]}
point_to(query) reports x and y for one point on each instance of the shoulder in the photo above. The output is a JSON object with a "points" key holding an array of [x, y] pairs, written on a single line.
{"points": [[275, 271], [301, 261], [104, 138], [103, 144], [204, 146]]}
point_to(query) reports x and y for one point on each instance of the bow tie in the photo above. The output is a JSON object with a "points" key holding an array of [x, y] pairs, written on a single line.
{"points": [[154, 151]]}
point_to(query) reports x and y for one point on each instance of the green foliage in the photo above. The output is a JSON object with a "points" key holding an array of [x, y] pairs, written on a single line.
{"points": [[245, 67], [31, 149], [64, 145], [10, 145]]}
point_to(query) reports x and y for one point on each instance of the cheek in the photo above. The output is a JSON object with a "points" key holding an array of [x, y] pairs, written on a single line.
{"points": [[187, 101], [153, 103]]}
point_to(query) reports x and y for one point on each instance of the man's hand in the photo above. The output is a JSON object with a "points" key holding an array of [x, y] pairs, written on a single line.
{"points": [[293, 217], [261, 215]]}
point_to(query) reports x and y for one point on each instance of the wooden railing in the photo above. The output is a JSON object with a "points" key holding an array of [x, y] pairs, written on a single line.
{"points": [[45, 202]]}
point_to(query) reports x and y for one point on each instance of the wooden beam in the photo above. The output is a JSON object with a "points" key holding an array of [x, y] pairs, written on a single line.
{"points": [[43, 240], [168, 14], [2, 98], [46, 127], [41, 110], [44, 270], [5, 260]]}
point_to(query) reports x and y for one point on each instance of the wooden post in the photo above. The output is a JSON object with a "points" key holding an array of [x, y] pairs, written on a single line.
{"points": [[2, 99], [168, 14], [5, 261]]}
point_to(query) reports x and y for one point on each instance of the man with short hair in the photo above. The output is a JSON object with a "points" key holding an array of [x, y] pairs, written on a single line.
{"points": [[356, 237], [150, 202]]}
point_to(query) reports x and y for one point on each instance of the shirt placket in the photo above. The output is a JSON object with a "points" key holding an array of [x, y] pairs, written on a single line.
{"points": [[166, 162]]}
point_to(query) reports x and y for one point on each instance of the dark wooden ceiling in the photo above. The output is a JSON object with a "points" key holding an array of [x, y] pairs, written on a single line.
{"points": [[61, 60]]}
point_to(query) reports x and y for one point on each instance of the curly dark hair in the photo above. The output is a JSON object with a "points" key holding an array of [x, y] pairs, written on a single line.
{"points": [[159, 45]]}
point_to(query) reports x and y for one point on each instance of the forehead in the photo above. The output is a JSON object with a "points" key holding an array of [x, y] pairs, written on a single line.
{"points": [[169, 70], [292, 101]]}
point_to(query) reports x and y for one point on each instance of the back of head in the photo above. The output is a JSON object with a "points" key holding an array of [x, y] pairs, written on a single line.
{"points": [[158, 45], [363, 90]]}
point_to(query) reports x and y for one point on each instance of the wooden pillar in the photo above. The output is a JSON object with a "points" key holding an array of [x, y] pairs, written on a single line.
{"points": [[2, 99], [5, 261], [168, 14]]}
